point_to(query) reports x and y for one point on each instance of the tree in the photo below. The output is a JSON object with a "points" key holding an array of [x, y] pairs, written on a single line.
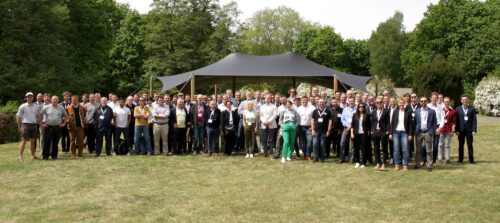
{"points": [[356, 57], [127, 56], [321, 45], [466, 33], [439, 76], [271, 31], [385, 46]]}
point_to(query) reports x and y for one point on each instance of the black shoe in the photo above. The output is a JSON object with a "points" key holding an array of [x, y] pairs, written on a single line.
{"points": [[265, 155], [210, 154], [429, 169], [340, 161], [472, 162], [416, 167], [460, 162]]}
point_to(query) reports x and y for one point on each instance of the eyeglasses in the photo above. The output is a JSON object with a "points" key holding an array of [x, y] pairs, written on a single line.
{"points": [[423, 101], [379, 102], [413, 96]]}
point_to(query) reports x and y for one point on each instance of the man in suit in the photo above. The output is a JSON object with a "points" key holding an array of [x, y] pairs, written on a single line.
{"points": [[425, 129], [412, 107], [197, 123], [466, 128], [180, 120], [380, 126]]}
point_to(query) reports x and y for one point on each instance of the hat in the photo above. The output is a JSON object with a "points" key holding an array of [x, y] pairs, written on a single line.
{"points": [[29, 93]]}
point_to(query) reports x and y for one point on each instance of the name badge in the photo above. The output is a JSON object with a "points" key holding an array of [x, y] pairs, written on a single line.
{"points": [[320, 120], [339, 116], [210, 121], [445, 121], [101, 117], [199, 115], [249, 123], [413, 115], [466, 118]]}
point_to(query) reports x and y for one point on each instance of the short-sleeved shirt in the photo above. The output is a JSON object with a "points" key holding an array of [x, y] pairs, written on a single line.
{"points": [[53, 115], [28, 113], [321, 119], [90, 110], [142, 111], [121, 115], [305, 114], [161, 110]]}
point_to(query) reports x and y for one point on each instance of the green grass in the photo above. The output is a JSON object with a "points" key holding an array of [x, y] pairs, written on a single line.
{"points": [[202, 189]]}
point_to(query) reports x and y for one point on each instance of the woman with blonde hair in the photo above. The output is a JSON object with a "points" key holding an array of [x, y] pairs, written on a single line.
{"points": [[250, 118]]}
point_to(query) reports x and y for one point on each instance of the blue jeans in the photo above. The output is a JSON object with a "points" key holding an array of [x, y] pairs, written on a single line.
{"points": [[144, 131], [212, 138], [305, 140], [319, 146], [268, 139], [401, 138], [199, 134]]}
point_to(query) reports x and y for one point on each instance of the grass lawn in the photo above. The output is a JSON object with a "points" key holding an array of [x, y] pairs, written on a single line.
{"points": [[202, 189]]}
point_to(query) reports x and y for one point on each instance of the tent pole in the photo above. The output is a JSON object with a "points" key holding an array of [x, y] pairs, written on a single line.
{"points": [[192, 84], [216, 94], [234, 85], [335, 83]]}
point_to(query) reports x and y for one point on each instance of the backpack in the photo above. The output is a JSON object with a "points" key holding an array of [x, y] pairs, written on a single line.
{"points": [[122, 148]]}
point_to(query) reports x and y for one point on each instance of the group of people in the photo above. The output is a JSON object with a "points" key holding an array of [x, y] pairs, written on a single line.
{"points": [[361, 129]]}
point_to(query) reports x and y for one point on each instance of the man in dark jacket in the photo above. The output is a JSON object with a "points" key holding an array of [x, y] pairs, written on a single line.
{"points": [[466, 128]]}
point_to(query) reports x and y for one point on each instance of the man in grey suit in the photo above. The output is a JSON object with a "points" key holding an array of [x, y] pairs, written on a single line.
{"points": [[465, 128], [425, 129]]}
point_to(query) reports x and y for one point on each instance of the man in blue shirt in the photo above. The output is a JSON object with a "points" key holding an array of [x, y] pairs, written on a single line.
{"points": [[346, 120]]}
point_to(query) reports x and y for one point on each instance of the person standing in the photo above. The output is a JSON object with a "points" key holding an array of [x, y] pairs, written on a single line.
{"points": [[321, 126], [305, 112], [412, 107], [346, 120], [267, 115], [250, 118], [401, 132], [76, 126], [141, 114], [336, 113], [90, 123], [447, 129], [161, 115], [180, 121], [122, 121], [103, 116], [212, 124], [197, 123], [380, 130], [288, 122], [229, 120], [466, 128], [131, 127], [439, 118], [52, 119], [361, 126], [65, 142], [425, 129], [27, 119]]}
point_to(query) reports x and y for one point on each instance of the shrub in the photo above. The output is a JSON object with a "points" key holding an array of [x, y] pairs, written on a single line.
{"points": [[487, 94], [8, 128], [440, 76], [10, 107]]}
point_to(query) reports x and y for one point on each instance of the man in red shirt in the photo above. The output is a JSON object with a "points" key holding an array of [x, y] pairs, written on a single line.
{"points": [[447, 129]]}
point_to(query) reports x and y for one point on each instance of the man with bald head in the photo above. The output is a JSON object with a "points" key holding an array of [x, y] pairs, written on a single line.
{"points": [[52, 118], [181, 122]]}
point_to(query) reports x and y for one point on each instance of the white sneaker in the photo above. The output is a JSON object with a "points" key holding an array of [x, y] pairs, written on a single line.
{"points": [[248, 156], [114, 154], [288, 159], [362, 166], [128, 154], [283, 160], [251, 155], [357, 165]]}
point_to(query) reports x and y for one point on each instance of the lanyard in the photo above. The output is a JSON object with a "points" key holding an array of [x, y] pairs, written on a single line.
{"points": [[212, 114], [379, 115], [465, 110], [104, 111], [413, 107], [322, 113]]}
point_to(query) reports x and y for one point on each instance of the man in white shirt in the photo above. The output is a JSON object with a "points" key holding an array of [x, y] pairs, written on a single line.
{"points": [[161, 114], [268, 113], [305, 112], [27, 119], [439, 118], [122, 120]]}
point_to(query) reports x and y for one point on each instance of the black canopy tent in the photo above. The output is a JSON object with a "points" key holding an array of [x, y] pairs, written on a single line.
{"points": [[250, 69]]}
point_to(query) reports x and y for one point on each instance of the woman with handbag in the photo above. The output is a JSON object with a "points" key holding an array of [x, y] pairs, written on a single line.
{"points": [[229, 119], [250, 117], [288, 122]]}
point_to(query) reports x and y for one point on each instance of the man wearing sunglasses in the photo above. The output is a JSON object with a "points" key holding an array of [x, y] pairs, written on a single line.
{"points": [[412, 108], [425, 129]]}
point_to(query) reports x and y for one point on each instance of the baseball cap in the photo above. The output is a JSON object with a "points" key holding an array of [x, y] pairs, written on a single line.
{"points": [[29, 93]]}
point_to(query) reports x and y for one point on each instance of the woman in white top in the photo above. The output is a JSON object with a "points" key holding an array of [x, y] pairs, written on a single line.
{"points": [[250, 117], [359, 133], [401, 132], [288, 122]]}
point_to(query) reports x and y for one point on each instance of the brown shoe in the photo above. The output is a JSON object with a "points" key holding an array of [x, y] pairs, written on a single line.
{"points": [[396, 168], [405, 169]]}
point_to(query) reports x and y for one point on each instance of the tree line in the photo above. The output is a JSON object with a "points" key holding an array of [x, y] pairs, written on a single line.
{"points": [[105, 46]]}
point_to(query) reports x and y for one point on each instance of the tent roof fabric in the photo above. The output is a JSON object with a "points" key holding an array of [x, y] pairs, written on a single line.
{"points": [[284, 65]]}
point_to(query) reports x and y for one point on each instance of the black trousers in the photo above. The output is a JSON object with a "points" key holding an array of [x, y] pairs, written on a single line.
{"points": [[380, 142], [180, 140], [91, 135], [465, 135], [336, 135], [369, 149], [65, 139], [131, 135], [360, 146], [229, 141], [51, 139]]}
